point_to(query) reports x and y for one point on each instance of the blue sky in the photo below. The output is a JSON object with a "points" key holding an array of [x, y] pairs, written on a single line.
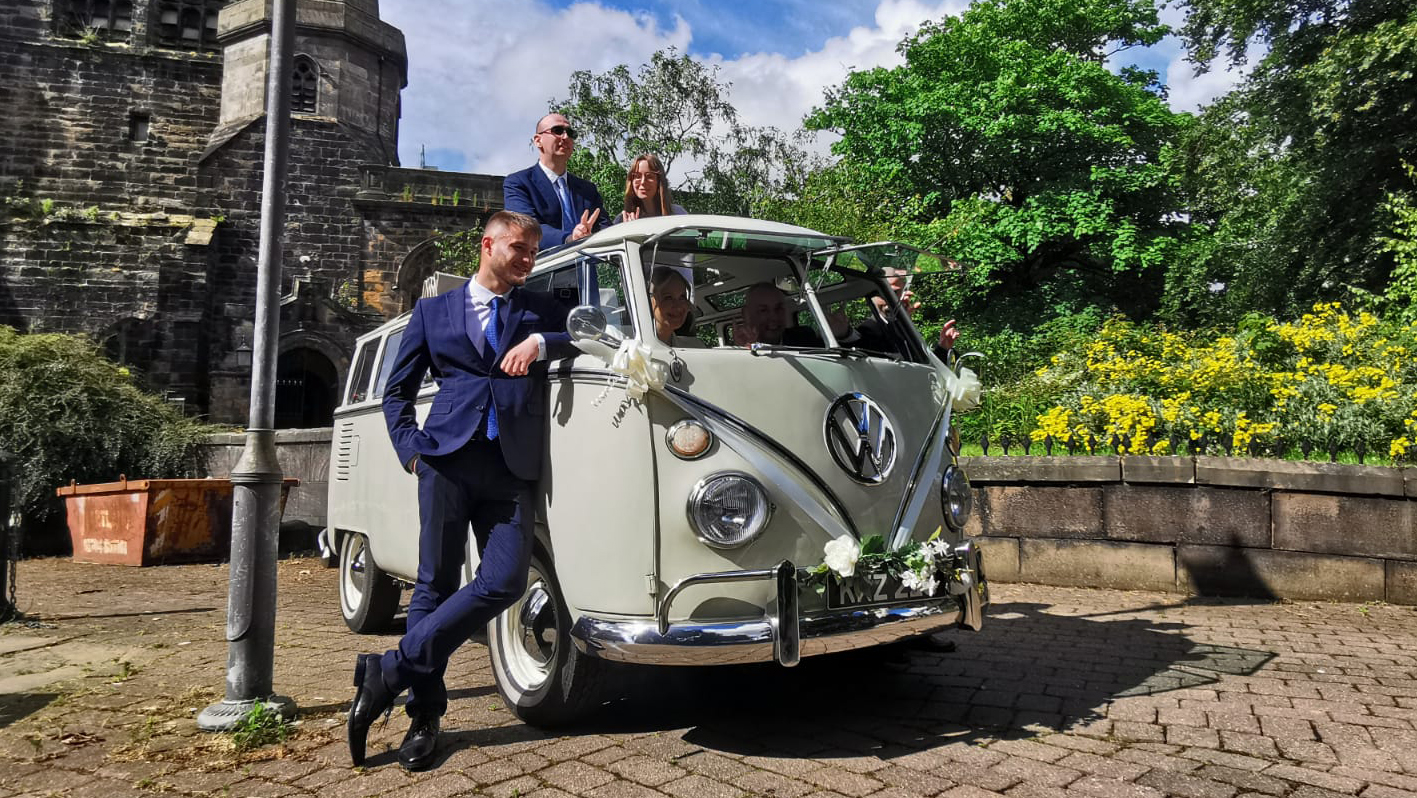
{"points": [[482, 72]]}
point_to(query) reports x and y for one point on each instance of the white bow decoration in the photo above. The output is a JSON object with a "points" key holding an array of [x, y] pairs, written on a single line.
{"points": [[964, 388], [641, 372]]}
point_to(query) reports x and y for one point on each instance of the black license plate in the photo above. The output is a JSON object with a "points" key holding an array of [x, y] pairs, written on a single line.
{"points": [[870, 590]]}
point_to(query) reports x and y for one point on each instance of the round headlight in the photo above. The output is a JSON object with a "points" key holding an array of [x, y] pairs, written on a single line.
{"points": [[957, 497], [688, 439], [728, 510]]}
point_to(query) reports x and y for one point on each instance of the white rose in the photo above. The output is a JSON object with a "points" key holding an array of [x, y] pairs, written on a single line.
{"points": [[841, 555]]}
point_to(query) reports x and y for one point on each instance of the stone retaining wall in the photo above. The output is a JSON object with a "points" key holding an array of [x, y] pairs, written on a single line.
{"points": [[1211, 526], [302, 453]]}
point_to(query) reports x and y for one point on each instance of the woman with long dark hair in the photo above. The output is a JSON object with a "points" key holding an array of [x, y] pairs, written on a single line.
{"points": [[647, 191]]}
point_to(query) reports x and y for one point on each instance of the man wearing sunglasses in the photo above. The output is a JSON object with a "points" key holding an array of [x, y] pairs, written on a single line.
{"points": [[568, 207]]}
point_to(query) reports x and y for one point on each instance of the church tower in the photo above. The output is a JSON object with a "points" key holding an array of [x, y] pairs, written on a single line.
{"points": [[349, 68]]}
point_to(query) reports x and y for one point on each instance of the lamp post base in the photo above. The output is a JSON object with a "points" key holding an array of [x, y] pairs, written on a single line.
{"points": [[224, 715]]}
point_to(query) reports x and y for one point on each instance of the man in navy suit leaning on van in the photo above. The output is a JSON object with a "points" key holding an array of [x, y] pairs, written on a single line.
{"points": [[568, 207], [477, 458]]}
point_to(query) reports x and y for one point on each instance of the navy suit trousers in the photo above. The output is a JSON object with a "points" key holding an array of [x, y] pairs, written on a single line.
{"points": [[471, 486]]}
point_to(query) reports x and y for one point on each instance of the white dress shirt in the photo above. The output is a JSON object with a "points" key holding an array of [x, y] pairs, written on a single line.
{"points": [[479, 311]]}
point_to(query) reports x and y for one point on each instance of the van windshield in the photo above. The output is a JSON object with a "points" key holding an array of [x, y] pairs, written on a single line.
{"points": [[773, 291]]}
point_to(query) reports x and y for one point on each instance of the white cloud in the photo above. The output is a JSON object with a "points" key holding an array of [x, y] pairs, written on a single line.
{"points": [[478, 82], [478, 87], [1188, 91], [771, 89]]}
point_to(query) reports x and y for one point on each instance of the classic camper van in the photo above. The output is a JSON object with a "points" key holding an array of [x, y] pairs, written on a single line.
{"points": [[706, 502]]}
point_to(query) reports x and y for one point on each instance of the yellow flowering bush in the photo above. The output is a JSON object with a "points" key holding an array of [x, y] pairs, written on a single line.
{"points": [[1332, 378]]}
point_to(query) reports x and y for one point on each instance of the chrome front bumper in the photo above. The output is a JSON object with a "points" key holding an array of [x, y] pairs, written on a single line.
{"points": [[785, 635]]}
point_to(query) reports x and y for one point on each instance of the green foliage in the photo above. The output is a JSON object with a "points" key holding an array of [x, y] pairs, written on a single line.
{"points": [[66, 413], [262, 725], [1329, 377], [460, 252], [669, 108], [1006, 142], [672, 107], [1289, 177], [1401, 244]]}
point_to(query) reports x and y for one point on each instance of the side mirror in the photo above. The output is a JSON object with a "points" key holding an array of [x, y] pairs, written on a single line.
{"points": [[591, 333]]}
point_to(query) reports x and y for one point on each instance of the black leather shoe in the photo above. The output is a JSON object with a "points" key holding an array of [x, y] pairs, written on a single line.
{"points": [[420, 745], [371, 699]]}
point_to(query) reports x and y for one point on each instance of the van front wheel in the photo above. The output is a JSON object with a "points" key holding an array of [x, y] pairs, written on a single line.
{"points": [[368, 598], [544, 679]]}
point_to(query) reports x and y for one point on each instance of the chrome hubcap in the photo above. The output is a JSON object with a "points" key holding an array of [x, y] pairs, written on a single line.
{"points": [[538, 622], [354, 574], [527, 635]]}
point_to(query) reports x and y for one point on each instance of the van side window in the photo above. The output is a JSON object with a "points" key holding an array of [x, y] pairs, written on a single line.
{"points": [[362, 371], [561, 284], [610, 293], [386, 362]]}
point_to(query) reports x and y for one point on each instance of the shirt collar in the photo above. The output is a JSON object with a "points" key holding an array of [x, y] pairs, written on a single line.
{"points": [[550, 175], [478, 292]]}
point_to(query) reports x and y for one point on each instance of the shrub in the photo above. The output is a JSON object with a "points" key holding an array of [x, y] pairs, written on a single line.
{"points": [[1330, 378], [67, 413]]}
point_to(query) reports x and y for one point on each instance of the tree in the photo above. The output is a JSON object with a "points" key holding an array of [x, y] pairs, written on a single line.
{"points": [[1293, 171], [1005, 141], [670, 107], [751, 171]]}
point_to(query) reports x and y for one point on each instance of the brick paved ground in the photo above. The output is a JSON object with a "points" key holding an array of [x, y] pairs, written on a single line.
{"points": [[1067, 692]]}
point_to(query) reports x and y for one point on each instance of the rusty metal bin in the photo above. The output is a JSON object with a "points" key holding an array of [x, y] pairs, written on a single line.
{"points": [[152, 521]]}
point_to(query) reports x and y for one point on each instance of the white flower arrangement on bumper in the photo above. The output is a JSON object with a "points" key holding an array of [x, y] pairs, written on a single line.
{"points": [[916, 565]]}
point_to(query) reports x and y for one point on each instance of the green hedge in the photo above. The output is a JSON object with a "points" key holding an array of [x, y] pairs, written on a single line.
{"points": [[68, 413]]}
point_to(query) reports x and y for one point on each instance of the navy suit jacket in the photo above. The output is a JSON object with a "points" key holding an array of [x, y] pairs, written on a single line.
{"points": [[529, 192], [436, 341]]}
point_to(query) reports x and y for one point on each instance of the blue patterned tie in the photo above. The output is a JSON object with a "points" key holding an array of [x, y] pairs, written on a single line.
{"points": [[492, 346], [568, 218]]}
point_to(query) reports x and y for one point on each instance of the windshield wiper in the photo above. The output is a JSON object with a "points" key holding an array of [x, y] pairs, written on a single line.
{"points": [[769, 349]]}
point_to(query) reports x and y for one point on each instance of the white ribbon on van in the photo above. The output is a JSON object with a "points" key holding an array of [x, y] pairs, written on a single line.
{"points": [[964, 388], [641, 372]]}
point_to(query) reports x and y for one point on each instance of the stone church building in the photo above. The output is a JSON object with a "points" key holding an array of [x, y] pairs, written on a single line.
{"points": [[131, 146]]}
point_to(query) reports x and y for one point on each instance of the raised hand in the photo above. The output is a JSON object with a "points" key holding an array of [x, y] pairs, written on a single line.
{"points": [[586, 226], [948, 334], [908, 302]]}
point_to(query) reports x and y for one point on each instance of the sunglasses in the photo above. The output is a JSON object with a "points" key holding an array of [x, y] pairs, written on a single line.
{"points": [[560, 130]]}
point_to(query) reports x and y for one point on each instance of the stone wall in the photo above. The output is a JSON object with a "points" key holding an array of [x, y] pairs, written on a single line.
{"points": [[1209, 526], [302, 453]]}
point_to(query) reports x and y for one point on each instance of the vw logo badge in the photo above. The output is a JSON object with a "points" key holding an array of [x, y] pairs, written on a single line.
{"points": [[860, 438]]}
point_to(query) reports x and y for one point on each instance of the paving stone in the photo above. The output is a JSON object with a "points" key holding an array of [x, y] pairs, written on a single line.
{"points": [[1180, 784], [1102, 787], [696, 786], [625, 789], [1066, 693], [1317, 778], [644, 770], [1244, 779]]}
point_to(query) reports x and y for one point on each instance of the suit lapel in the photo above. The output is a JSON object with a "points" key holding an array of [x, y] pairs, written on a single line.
{"points": [[546, 193], [455, 304]]}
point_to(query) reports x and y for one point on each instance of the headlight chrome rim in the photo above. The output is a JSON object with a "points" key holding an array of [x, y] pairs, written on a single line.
{"points": [[702, 488], [954, 488]]}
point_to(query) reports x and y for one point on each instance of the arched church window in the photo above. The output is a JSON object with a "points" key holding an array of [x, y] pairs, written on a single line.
{"points": [[304, 86], [187, 24], [108, 19]]}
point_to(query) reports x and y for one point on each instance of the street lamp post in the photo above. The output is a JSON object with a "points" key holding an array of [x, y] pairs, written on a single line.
{"points": [[255, 518]]}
